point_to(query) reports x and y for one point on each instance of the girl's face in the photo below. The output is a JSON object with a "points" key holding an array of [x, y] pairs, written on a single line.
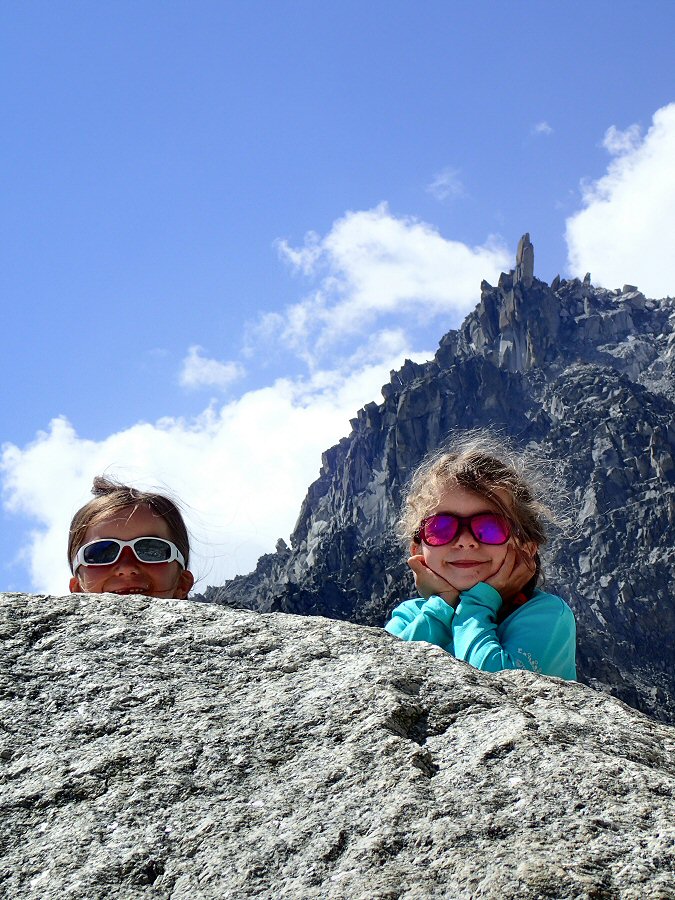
{"points": [[465, 561], [128, 575]]}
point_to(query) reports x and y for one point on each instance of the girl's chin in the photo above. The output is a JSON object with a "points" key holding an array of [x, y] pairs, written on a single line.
{"points": [[462, 578], [465, 581]]}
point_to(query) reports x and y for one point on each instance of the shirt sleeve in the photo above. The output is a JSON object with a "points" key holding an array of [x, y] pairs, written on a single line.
{"points": [[539, 636], [423, 620]]}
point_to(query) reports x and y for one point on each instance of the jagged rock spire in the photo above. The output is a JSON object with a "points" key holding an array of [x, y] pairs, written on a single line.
{"points": [[586, 376], [524, 261]]}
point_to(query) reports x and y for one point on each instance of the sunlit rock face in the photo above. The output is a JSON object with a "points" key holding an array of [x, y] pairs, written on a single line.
{"points": [[170, 749], [584, 374]]}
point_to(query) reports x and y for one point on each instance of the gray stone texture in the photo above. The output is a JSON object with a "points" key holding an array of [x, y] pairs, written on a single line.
{"points": [[525, 261], [583, 375], [172, 749]]}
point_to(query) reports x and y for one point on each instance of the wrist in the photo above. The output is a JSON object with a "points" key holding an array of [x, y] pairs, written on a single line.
{"points": [[484, 594], [438, 608], [451, 597]]}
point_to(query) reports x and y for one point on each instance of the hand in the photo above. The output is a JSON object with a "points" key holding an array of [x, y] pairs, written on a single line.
{"points": [[429, 582], [513, 574]]}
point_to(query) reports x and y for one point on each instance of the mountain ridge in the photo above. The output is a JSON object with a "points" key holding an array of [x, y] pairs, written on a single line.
{"points": [[583, 375]]}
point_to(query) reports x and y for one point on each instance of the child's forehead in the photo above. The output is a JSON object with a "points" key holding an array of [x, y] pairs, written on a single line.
{"points": [[454, 497], [127, 519]]}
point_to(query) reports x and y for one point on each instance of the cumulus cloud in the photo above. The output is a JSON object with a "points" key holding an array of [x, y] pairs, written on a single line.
{"points": [[241, 469], [243, 466], [373, 265], [446, 183], [542, 128], [618, 142], [624, 232], [199, 371]]}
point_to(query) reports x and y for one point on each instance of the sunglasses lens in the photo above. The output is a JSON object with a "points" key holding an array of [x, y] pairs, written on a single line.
{"points": [[101, 553], [439, 530], [490, 529], [153, 550]]}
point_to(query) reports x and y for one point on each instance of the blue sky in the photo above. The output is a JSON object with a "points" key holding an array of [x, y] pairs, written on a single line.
{"points": [[224, 223]]}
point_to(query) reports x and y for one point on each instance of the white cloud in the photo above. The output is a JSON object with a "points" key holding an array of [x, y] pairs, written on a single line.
{"points": [[619, 142], [624, 232], [241, 469], [446, 183], [542, 128], [243, 466], [305, 258], [373, 266], [199, 371]]}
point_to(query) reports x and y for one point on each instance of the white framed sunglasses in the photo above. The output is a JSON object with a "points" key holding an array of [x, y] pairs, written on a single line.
{"points": [[106, 551]]}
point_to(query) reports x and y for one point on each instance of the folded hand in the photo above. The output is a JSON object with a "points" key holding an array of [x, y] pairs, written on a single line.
{"points": [[513, 574], [429, 582]]}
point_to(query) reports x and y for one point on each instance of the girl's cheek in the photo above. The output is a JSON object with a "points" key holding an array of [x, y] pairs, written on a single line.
{"points": [[498, 561], [427, 554]]}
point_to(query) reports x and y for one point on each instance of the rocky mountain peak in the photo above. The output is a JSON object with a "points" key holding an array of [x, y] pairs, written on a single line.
{"points": [[585, 376], [524, 272], [524, 323]]}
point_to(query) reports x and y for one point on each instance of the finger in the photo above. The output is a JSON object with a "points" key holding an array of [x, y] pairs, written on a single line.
{"points": [[446, 581], [440, 580], [419, 557], [429, 582]]}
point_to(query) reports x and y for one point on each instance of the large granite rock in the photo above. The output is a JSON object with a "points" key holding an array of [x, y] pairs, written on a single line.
{"points": [[172, 749], [585, 376]]}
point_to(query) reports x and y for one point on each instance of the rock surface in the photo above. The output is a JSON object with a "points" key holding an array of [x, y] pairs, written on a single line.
{"points": [[170, 749], [525, 262], [583, 375]]}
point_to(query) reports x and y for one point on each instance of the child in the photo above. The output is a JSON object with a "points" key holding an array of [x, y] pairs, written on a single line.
{"points": [[475, 526], [127, 541]]}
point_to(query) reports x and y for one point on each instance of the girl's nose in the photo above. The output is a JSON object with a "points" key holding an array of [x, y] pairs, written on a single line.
{"points": [[127, 560], [465, 537]]}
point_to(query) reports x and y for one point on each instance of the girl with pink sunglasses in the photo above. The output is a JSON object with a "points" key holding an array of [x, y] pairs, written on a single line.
{"points": [[475, 522]]}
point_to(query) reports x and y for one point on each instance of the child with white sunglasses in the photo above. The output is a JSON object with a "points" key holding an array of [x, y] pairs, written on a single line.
{"points": [[127, 541], [475, 520]]}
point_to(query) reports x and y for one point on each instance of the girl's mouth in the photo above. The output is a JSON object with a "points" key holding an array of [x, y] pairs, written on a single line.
{"points": [[133, 590], [466, 564]]}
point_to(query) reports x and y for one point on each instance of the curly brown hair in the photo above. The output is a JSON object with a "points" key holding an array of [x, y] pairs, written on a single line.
{"points": [[488, 465], [111, 497]]}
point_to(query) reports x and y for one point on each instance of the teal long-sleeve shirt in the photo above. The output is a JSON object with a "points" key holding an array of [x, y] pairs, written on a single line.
{"points": [[540, 635]]}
